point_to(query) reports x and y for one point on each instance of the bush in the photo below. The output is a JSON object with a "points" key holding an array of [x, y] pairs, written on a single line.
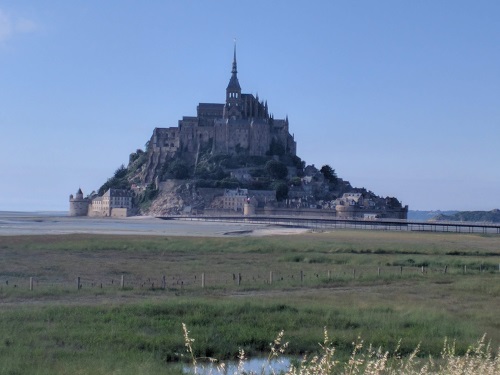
{"points": [[276, 170]]}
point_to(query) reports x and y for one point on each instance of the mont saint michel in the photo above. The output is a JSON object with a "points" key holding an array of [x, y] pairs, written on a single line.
{"points": [[234, 157]]}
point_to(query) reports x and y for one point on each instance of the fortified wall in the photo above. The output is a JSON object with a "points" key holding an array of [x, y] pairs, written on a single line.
{"points": [[113, 203]]}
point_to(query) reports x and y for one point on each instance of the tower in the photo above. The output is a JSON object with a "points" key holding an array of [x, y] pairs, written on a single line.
{"points": [[78, 205], [233, 106]]}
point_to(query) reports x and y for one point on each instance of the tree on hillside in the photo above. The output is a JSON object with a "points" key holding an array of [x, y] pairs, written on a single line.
{"points": [[121, 172], [178, 170], [281, 190], [329, 173], [276, 170]]}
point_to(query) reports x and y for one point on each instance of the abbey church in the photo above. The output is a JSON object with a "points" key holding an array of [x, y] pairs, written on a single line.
{"points": [[241, 125]]}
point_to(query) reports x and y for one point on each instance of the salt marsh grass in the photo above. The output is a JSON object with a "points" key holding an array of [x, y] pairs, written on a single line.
{"points": [[355, 283]]}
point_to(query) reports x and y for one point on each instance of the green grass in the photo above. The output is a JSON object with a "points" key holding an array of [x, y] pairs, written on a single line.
{"points": [[151, 332], [57, 329]]}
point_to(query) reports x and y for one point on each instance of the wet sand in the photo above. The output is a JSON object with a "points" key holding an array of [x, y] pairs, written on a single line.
{"points": [[40, 223]]}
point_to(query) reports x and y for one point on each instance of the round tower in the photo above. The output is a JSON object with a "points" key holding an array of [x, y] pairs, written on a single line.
{"points": [[78, 205]]}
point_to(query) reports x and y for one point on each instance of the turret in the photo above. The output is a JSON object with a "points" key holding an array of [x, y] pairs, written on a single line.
{"points": [[78, 205]]}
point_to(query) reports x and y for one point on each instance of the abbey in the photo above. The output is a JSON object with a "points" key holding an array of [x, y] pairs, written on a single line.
{"points": [[232, 157], [241, 125]]}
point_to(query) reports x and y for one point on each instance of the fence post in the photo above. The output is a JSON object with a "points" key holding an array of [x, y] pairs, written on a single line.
{"points": [[445, 269], [378, 271], [401, 271], [354, 273], [465, 269], [31, 283], [203, 280], [329, 275], [270, 277], [122, 282], [239, 279], [78, 282]]}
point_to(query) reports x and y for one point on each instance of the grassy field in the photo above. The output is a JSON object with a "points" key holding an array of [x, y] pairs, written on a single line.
{"points": [[382, 286]]}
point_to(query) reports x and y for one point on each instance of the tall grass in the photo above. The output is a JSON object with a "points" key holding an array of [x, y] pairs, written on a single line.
{"points": [[103, 338], [364, 360]]}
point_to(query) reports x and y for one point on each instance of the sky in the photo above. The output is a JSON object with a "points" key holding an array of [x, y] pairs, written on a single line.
{"points": [[399, 97]]}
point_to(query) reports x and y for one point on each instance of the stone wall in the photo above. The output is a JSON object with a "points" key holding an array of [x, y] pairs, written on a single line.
{"points": [[78, 207], [119, 212]]}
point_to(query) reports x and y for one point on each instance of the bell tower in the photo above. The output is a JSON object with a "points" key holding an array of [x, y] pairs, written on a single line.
{"points": [[233, 107]]}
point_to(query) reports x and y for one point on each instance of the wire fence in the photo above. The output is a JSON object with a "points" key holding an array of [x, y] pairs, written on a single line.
{"points": [[246, 280]]}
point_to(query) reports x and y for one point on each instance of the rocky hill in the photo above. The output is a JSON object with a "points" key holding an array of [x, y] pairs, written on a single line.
{"points": [[492, 216], [180, 187]]}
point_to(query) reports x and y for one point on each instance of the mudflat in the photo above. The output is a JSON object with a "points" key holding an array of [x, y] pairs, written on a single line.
{"points": [[35, 223]]}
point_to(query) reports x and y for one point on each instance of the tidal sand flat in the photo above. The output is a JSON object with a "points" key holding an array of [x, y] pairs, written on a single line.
{"points": [[33, 223]]}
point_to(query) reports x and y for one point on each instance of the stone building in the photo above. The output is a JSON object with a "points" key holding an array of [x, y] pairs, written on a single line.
{"points": [[235, 199], [78, 205], [241, 125], [354, 205], [114, 202]]}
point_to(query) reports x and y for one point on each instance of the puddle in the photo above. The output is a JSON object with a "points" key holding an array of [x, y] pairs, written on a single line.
{"points": [[251, 366]]}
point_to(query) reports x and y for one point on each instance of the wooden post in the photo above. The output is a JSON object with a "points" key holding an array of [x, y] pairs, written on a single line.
{"points": [[465, 269], [378, 271], [203, 280], [354, 273], [445, 269], [122, 282], [329, 275], [239, 279], [31, 283], [78, 282], [401, 271], [422, 270], [270, 277]]}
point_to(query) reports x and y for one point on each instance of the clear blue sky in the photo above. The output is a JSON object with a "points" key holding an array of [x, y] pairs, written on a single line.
{"points": [[399, 97]]}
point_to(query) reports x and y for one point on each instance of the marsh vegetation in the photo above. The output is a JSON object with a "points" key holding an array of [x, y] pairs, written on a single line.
{"points": [[355, 283]]}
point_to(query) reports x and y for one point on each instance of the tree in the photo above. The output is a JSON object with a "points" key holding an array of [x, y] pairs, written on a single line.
{"points": [[329, 173], [179, 170], [135, 155], [276, 170], [296, 181], [298, 162], [118, 181], [281, 190]]}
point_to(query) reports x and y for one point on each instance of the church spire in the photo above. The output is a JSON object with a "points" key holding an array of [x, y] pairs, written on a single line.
{"points": [[235, 70], [234, 104], [234, 85]]}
